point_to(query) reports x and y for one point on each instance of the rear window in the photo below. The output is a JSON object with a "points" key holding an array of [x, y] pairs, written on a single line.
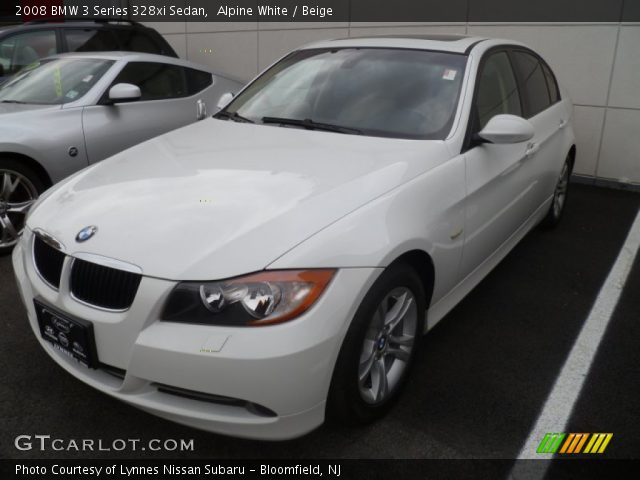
{"points": [[554, 94], [536, 93], [197, 80]]}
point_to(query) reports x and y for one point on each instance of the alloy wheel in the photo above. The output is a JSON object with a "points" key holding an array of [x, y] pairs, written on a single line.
{"points": [[387, 346], [17, 194]]}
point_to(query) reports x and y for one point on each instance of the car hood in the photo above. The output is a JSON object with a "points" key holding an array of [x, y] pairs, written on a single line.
{"points": [[218, 198]]}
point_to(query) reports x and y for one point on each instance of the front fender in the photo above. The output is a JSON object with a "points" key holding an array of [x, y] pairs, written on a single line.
{"points": [[422, 214], [46, 136]]}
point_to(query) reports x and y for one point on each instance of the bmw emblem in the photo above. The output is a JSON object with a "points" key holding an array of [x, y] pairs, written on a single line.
{"points": [[86, 233]]}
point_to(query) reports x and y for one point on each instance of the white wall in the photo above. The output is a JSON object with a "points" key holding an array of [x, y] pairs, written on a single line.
{"points": [[599, 63]]}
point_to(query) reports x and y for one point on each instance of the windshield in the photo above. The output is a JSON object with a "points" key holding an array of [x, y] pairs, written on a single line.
{"points": [[54, 82], [374, 91]]}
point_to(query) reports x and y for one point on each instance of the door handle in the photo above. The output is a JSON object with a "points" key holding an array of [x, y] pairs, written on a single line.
{"points": [[563, 123], [201, 109], [532, 149]]}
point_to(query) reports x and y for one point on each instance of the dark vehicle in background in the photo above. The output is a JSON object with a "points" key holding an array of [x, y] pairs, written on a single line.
{"points": [[21, 45]]}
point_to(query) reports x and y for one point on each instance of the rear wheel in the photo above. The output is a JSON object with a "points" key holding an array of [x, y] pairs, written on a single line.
{"points": [[379, 349], [20, 187], [559, 196]]}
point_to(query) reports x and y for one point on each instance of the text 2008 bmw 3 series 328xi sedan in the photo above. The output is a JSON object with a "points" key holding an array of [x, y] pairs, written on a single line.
{"points": [[255, 272]]}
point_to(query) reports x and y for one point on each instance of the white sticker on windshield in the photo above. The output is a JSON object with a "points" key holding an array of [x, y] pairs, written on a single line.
{"points": [[449, 74], [71, 94], [87, 79]]}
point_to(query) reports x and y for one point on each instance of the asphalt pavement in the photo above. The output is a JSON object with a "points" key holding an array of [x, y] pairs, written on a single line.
{"points": [[481, 379]]}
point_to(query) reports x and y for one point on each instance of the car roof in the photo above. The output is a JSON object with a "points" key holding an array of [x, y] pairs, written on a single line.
{"points": [[133, 57], [440, 43], [43, 24]]}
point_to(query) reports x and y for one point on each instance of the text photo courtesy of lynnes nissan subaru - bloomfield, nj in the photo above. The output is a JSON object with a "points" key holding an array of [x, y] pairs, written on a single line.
{"points": [[339, 239]]}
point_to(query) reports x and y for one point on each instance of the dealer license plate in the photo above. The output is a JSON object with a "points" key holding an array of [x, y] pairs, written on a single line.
{"points": [[72, 336]]}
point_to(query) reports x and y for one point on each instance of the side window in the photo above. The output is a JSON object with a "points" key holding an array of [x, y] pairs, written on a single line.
{"points": [[18, 51], [134, 41], [532, 77], [197, 80], [554, 94], [157, 81], [497, 90], [89, 40]]}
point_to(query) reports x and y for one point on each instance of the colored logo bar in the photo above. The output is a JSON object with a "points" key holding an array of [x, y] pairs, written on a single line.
{"points": [[572, 443]]}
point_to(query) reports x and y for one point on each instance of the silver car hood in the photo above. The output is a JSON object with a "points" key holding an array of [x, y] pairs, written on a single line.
{"points": [[218, 199]]}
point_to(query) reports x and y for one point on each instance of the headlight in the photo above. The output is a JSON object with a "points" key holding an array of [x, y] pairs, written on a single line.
{"points": [[259, 299]]}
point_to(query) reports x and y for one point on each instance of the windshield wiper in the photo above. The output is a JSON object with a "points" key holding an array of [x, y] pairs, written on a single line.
{"points": [[311, 125], [232, 116], [12, 101]]}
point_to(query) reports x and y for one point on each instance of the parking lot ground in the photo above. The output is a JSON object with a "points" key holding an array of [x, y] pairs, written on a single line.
{"points": [[481, 379], [610, 401]]}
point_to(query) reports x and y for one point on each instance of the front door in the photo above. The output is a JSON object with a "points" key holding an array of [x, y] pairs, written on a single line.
{"points": [[500, 180], [164, 106]]}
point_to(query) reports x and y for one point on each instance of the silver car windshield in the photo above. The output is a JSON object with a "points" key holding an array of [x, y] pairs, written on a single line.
{"points": [[54, 82], [372, 91]]}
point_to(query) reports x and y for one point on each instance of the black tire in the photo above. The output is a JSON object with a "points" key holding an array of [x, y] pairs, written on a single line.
{"points": [[30, 188], [558, 204], [346, 403]]}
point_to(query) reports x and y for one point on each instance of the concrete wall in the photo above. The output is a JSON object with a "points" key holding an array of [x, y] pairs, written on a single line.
{"points": [[599, 63]]}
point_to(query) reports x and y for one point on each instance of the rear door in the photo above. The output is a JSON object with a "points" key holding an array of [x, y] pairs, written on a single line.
{"points": [[165, 105], [542, 107]]}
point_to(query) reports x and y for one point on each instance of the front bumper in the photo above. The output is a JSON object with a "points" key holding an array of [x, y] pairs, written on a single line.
{"points": [[285, 368]]}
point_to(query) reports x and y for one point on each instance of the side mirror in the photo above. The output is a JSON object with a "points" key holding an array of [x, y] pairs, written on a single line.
{"points": [[504, 129], [124, 92], [224, 100]]}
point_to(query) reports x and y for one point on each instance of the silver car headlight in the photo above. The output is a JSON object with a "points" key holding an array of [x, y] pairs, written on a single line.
{"points": [[258, 299]]}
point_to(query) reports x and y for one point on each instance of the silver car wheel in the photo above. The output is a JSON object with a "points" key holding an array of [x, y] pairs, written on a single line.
{"points": [[560, 194], [17, 194], [387, 346]]}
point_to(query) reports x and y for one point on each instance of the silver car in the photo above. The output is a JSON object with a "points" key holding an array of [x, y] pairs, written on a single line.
{"points": [[69, 111]]}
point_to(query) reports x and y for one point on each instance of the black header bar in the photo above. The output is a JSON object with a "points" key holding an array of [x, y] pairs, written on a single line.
{"points": [[453, 11]]}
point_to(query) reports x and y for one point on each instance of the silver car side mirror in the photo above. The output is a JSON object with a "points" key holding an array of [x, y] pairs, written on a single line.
{"points": [[124, 92], [504, 128], [224, 100]]}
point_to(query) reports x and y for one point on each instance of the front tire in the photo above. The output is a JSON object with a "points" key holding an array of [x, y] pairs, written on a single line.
{"points": [[379, 348], [559, 196], [20, 187]]}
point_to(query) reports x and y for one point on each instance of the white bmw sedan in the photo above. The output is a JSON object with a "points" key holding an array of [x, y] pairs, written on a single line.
{"points": [[255, 272]]}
